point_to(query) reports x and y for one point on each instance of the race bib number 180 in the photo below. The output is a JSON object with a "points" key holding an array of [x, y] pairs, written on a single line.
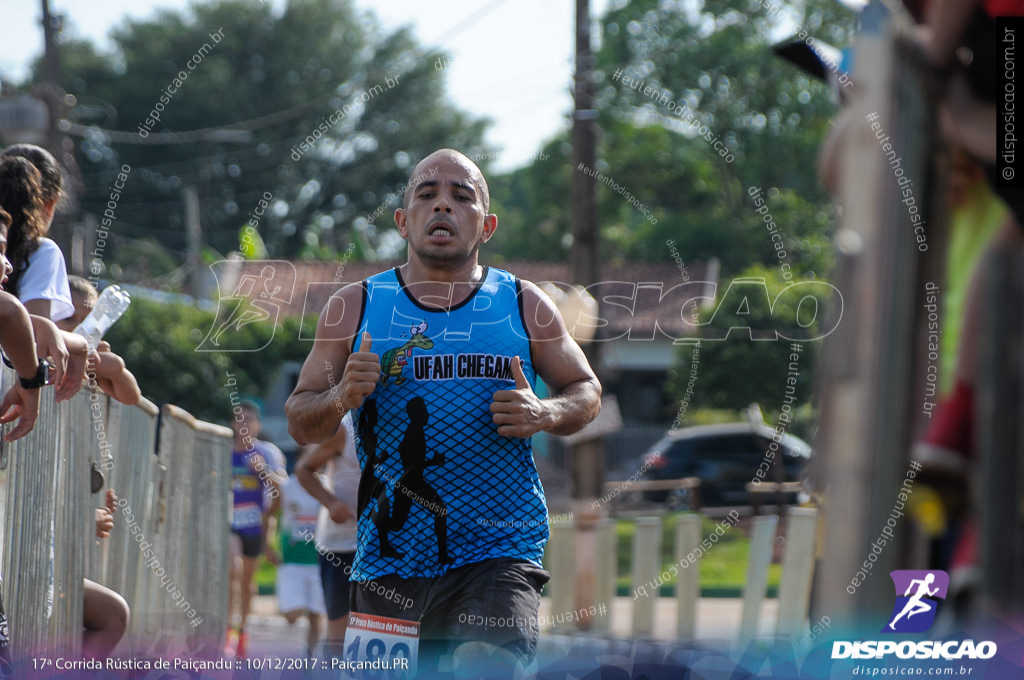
{"points": [[385, 645]]}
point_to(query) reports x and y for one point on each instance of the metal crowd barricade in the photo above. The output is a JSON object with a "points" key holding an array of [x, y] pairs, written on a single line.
{"points": [[175, 449], [192, 498], [72, 536], [29, 470], [168, 552], [130, 473], [213, 474]]}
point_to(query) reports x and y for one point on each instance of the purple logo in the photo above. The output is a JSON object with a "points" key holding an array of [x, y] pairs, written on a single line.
{"points": [[917, 595]]}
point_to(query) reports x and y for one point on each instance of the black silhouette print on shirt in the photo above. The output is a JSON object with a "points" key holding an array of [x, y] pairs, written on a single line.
{"points": [[412, 486], [372, 487]]}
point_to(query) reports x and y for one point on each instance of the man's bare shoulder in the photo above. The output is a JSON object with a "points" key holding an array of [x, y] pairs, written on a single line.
{"points": [[339, 317], [540, 314]]}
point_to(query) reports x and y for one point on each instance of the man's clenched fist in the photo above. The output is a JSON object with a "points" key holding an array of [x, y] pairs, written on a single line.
{"points": [[518, 412], [361, 375]]}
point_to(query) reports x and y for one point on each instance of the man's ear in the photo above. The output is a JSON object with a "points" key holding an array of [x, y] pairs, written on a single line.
{"points": [[401, 222], [490, 226]]}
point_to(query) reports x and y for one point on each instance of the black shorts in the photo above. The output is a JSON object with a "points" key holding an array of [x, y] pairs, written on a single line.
{"points": [[252, 544], [494, 601], [335, 568]]}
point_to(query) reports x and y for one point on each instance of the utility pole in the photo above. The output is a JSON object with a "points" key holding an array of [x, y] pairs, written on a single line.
{"points": [[51, 59], [194, 241], [583, 257], [586, 457], [53, 95]]}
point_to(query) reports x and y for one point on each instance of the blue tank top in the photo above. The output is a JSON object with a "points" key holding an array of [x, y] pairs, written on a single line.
{"points": [[440, 488]]}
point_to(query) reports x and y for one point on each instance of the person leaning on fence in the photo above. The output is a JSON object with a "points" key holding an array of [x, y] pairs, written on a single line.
{"points": [[38, 278], [250, 475], [21, 402], [444, 411], [106, 367], [335, 535], [105, 613]]}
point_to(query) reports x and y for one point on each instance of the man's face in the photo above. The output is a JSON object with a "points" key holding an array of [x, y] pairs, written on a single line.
{"points": [[445, 221]]}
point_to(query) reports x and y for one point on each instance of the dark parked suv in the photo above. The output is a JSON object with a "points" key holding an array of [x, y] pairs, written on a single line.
{"points": [[725, 458]]}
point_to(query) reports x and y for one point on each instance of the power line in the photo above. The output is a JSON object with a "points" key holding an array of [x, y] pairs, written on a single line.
{"points": [[211, 134], [223, 133]]}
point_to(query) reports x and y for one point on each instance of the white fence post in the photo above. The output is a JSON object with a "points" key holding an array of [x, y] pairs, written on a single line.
{"points": [[606, 573], [563, 571], [797, 569], [762, 542], [688, 580], [646, 565]]}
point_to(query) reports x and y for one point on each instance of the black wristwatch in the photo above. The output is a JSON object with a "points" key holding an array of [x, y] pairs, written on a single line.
{"points": [[41, 377]]}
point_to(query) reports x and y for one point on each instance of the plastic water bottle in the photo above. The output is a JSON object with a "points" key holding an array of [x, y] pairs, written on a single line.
{"points": [[112, 303]]}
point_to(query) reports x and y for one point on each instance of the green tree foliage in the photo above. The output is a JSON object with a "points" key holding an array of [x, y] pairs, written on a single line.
{"points": [[533, 223], [765, 113], [751, 365], [286, 74], [158, 344]]}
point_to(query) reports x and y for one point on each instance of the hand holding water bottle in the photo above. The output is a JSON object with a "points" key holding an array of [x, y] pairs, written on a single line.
{"points": [[112, 303]]}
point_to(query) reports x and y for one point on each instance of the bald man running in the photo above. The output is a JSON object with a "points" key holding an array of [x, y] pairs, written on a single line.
{"points": [[451, 510]]}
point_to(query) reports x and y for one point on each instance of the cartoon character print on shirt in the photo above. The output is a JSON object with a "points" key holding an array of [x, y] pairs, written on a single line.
{"points": [[397, 358]]}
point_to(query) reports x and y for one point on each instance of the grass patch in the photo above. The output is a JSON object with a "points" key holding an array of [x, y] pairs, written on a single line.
{"points": [[723, 568]]}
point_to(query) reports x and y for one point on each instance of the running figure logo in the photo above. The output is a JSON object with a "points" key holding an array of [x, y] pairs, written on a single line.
{"points": [[246, 298], [916, 593]]}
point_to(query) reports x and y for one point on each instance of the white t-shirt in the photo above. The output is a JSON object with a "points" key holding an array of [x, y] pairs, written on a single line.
{"points": [[298, 510], [46, 278], [343, 477], [276, 460]]}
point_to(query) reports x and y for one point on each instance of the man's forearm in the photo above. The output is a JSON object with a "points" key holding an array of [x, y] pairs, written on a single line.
{"points": [[574, 407], [313, 417], [312, 484]]}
